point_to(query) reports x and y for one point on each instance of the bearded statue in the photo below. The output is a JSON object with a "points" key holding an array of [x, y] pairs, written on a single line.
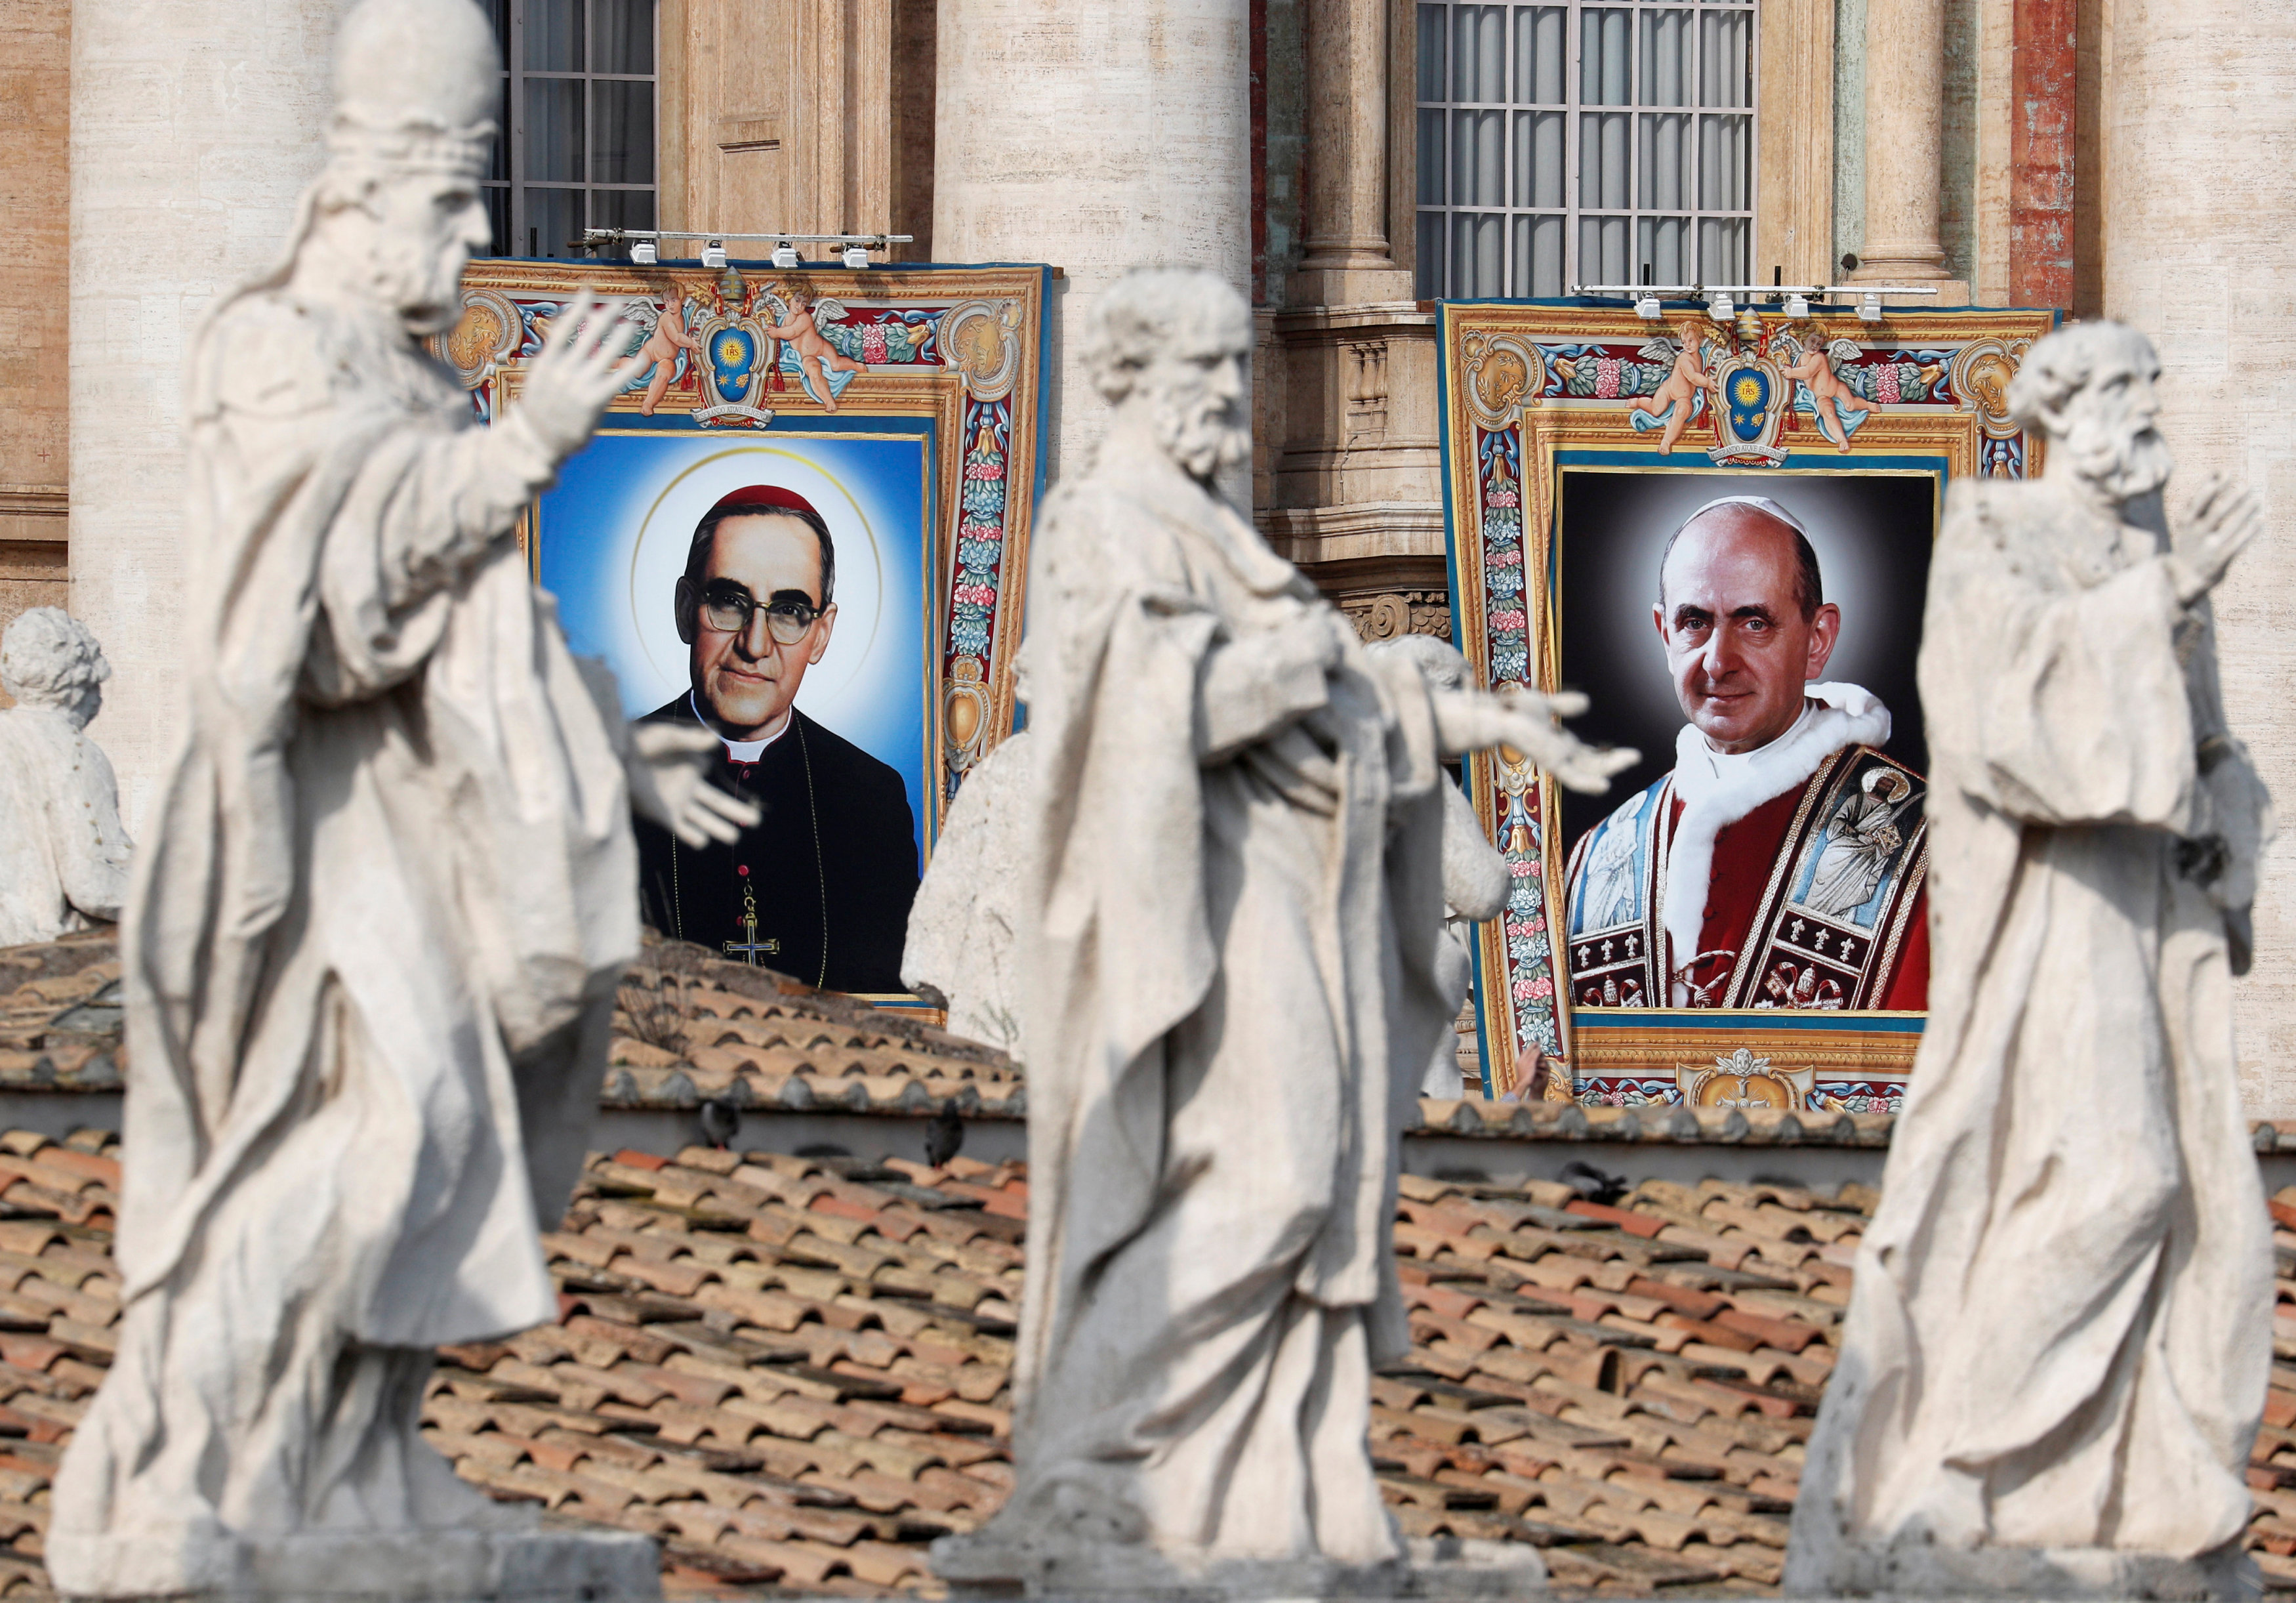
{"points": [[1232, 971], [2055, 1356], [374, 931]]}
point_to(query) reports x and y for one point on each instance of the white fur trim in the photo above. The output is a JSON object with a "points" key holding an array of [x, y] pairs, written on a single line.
{"points": [[1718, 788]]}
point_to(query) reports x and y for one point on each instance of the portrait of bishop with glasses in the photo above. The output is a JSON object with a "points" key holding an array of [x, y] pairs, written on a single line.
{"points": [[820, 887]]}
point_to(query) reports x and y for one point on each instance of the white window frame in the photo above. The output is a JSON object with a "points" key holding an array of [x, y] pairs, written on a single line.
{"points": [[1434, 285], [511, 159]]}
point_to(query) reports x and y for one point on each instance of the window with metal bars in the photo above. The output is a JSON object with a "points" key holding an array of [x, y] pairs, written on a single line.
{"points": [[1584, 144], [577, 148]]}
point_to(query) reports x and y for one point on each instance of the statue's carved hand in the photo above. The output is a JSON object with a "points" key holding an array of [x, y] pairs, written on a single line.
{"points": [[667, 784], [1526, 721], [2216, 529], [577, 373]]}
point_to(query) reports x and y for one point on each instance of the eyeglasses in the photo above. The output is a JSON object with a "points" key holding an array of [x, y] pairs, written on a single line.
{"points": [[728, 607]]}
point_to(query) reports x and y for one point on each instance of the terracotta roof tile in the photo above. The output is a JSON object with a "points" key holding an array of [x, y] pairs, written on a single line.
{"points": [[796, 1370]]}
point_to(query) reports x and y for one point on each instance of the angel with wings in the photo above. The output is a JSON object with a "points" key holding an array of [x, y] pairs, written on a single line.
{"points": [[1813, 369], [1673, 401], [666, 334], [800, 328]]}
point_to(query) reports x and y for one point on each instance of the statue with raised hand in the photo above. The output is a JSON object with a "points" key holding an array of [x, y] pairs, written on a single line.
{"points": [[1231, 978], [2054, 1364], [376, 925]]}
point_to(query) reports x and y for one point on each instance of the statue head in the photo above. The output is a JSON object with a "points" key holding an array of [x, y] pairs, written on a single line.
{"points": [[48, 659], [1439, 662], [396, 211], [2089, 389], [1168, 349]]}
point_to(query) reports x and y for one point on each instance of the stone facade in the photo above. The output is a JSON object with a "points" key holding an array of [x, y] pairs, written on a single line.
{"points": [[2195, 252], [35, 374], [1273, 140]]}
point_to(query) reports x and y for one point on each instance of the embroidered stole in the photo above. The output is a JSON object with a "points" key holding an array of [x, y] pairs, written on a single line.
{"points": [[1833, 913]]}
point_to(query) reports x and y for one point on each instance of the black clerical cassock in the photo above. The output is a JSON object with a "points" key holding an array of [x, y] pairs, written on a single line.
{"points": [[819, 888]]}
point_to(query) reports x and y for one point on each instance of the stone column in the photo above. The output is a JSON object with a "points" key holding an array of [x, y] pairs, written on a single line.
{"points": [[2198, 255], [1905, 143], [195, 125], [1349, 259], [1099, 136]]}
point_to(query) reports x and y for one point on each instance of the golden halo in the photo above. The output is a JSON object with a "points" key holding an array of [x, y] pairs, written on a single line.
{"points": [[679, 673]]}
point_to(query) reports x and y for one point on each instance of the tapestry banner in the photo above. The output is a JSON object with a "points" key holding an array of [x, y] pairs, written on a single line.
{"points": [[803, 521], [1578, 439]]}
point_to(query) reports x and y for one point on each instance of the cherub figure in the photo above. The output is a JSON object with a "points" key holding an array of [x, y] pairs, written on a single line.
{"points": [[666, 336], [1812, 366], [1672, 402], [805, 337]]}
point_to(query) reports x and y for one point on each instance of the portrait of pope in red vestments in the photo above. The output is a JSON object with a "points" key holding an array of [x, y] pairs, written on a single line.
{"points": [[1781, 862]]}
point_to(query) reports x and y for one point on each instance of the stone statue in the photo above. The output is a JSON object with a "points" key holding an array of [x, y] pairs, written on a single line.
{"points": [[962, 927], [2056, 1354], [373, 936], [1475, 878], [1231, 982], [63, 856]]}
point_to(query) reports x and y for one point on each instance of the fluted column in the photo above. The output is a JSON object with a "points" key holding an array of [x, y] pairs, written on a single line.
{"points": [[1905, 141], [1350, 258], [1100, 135], [195, 125], [2199, 256]]}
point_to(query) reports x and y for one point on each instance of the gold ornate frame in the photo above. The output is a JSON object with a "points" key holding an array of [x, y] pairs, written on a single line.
{"points": [[1529, 389], [963, 351]]}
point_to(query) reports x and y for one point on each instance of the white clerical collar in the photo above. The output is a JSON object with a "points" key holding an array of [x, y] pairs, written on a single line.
{"points": [[743, 751], [1721, 765]]}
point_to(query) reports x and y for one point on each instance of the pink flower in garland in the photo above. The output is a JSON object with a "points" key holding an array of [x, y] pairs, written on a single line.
{"points": [[1520, 868], [1523, 990], [1886, 388], [1513, 619], [1521, 929], [1502, 497], [978, 595], [1606, 377], [873, 342], [1540, 990], [1509, 558], [979, 531]]}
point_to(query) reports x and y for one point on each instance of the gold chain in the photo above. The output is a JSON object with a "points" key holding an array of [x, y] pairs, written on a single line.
{"points": [[821, 879]]}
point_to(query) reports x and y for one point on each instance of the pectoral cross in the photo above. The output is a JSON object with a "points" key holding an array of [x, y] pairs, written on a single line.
{"points": [[749, 950]]}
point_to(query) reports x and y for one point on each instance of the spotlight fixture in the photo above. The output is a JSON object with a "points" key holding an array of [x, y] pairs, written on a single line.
{"points": [[1718, 306], [1646, 308], [713, 255], [856, 257], [1797, 305], [785, 256], [642, 252], [1869, 310]]}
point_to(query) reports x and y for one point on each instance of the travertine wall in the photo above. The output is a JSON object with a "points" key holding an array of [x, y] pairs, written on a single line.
{"points": [[778, 114], [1099, 137], [34, 374], [2199, 254], [195, 125]]}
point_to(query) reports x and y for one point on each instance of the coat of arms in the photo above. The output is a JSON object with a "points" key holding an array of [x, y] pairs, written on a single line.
{"points": [[1753, 399]]}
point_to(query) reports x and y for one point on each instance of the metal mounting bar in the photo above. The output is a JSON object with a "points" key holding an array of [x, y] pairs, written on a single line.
{"points": [[1636, 291], [612, 235]]}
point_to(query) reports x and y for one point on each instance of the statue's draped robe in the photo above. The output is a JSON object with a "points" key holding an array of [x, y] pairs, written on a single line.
{"points": [[369, 959], [1230, 941], [63, 856], [2053, 1341]]}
